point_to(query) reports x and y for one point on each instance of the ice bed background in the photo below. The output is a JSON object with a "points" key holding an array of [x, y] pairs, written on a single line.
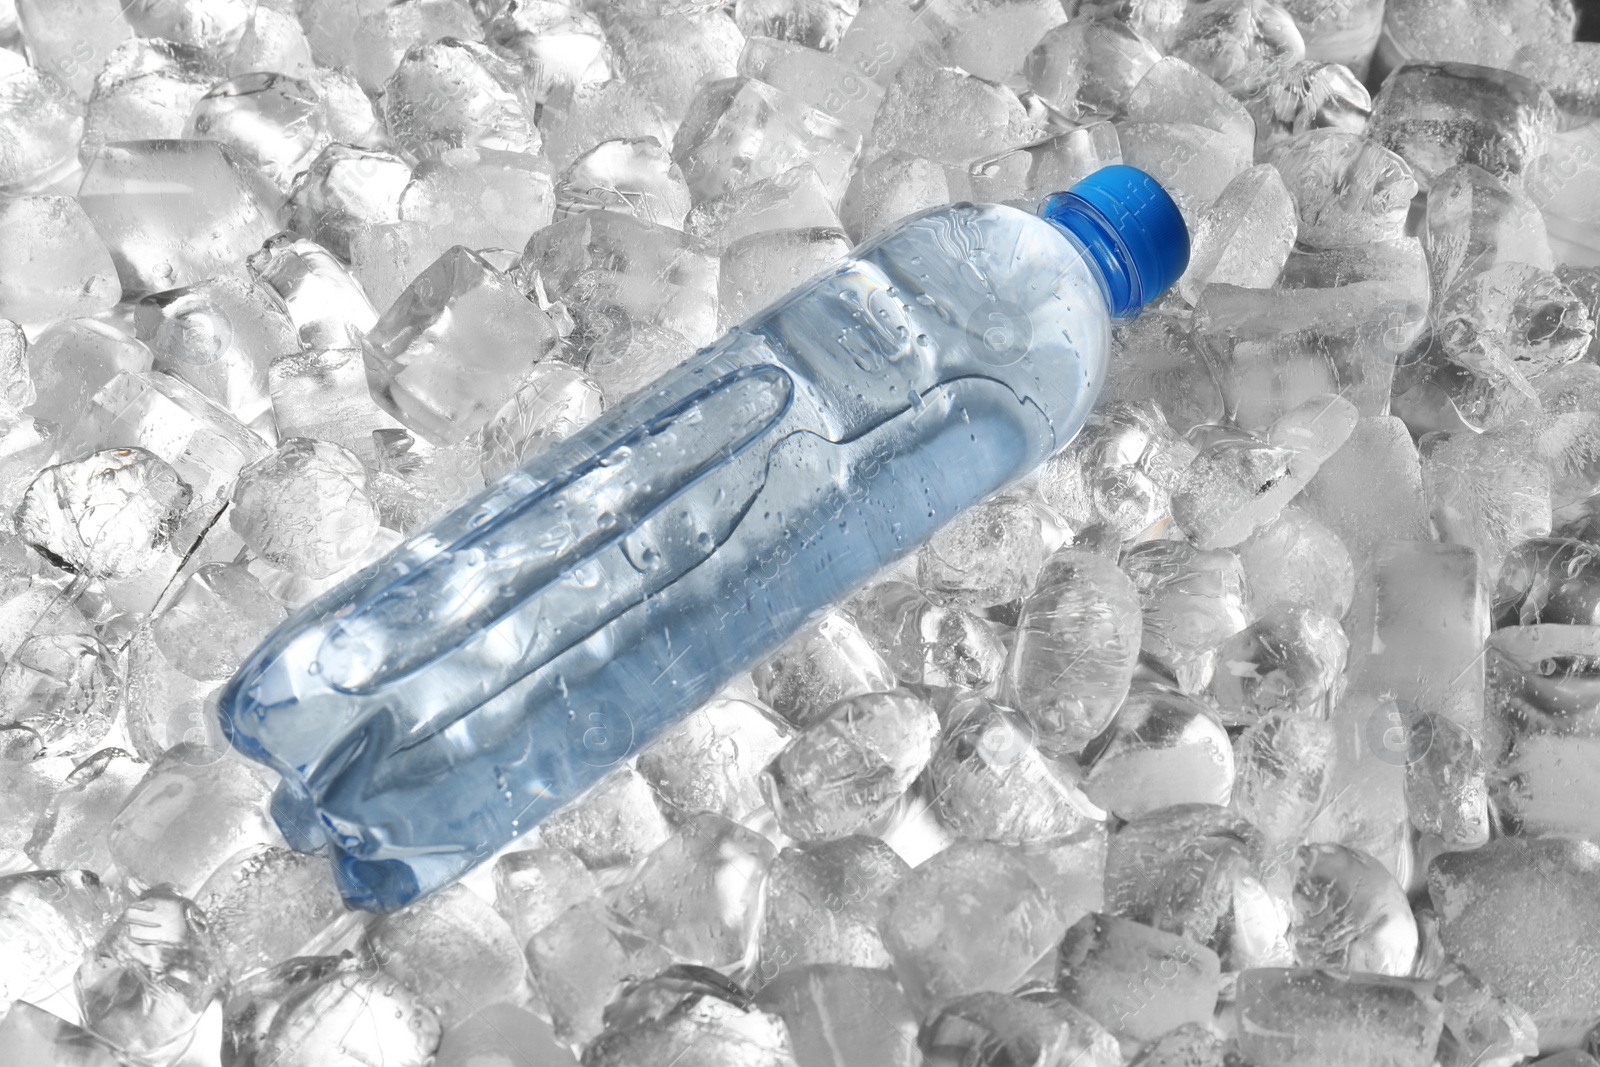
{"points": [[1258, 727]]}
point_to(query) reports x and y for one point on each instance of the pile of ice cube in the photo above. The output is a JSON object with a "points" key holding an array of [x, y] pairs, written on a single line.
{"points": [[1261, 726]]}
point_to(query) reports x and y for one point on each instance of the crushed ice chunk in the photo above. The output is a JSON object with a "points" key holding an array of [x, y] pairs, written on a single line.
{"points": [[558, 44], [1446, 783], [73, 831], [108, 515], [1162, 749], [55, 266], [1089, 65], [1347, 190], [1105, 964], [305, 508], [534, 887], [450, 93], [822, 904], [821, 79], [1350, 914], [819, 667], [265, 904], [145, 91], [1291, 659], [32, 1035], [344, 189], [553, 401], [1488, 491], [1476, 221], [840, 1016], [344, 1013], [1119, 471]]}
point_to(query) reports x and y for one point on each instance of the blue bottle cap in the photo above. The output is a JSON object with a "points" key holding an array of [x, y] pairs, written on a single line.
{"points": [[1131, 228]]}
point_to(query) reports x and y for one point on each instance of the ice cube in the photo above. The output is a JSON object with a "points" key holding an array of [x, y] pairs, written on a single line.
{"points": [[970, 918], [454, 950], [216, 25], [822, 905], [70, 41], [1370, 490], [343, 190], [47, 920], [1039, 1026], [841, 1016], [480, 197], [108, 515], [1245, 236], [347, 111], [1036, 170], [1163, 748], [1344, 33], [164, 705], [371, 39], [1436, 115], [345, 1014], [33, 1035], [1548, 580], [990, 779], [324, 302], [56, 266], [1350, 914], [615, 824], [1480, 1025], [949, 116], [1155, 358], [535, 886], [145, 91], [1193, 163], [553, 401], [1308, 96], [437, 360], [63, 687], [988, 555], [577, 118], [1283, 766], [819, 667], [1513, 320], [1296, 561], [219, 336], [275, 122], [1297, 1018], [1476, 221], [450, 93], [927, 644], [1271, 350], [1488, 491], [846, 771], [218, 617], [193, 808], [1192, 600], [273, 41], [793, 199], [1136, 981], [1446, 784], [1347, 190], [306, 507], [815, 24], [580, 961], [502, 1035], [152, 975], [47, 127], [1090, 65], [668, 56], [1468, 31], [634, 176], [888, 189], [1567, 70], [822, 80], [1292, 659], [71, 833], [1174, 91], [1522, 916], [322, 394], [759, 268], [26, 791], [1119, 472], [1568, 440], [559, 45], [265, 904], [176, 212], [712, 761], [715, 1021], [1240, 43]]}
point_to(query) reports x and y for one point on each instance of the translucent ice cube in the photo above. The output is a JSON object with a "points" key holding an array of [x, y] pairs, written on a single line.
{"points": [[822, 80], [1040, 1025], [1301, 1017], [989, 555], [324, 302], [1192, 601], [1156, 359], [1371, 489], [1308, 96], [64, 688], [1350, 914], [55, 267], [1283, 766], [145, 91], [353, 1014], [949, 116], [1446, 784], [344, 188], [305, 508], [1513, 320], [451, 93], [1090, 65], [819, 667], [927, 643], [72, 832], [275, 122], [33, 1035], [1119, 471], [1193, 163], [1245, 236], [615, 824], [760, 267], [1240, 43], [721, 1027], [1291, 659], [889, 188], [816, 24], [218, 617], [1488, 491], [322, 394], [534, 887], [636, 176], [47, 124], [1163, 748], [1297, 561], [822, 904], [712, 761], [49, 919], [580, 961], [577, 118], [1468, 32], [502, 1033], [793, 199], [561, 45], [1175, 91], [70, 41], [668, 56], [265, 904], [1137, 981], [481, 197], [1347, 189], [1476, 221], [844, 1016]]}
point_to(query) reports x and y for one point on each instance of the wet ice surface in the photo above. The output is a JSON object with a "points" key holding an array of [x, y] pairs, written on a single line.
{"points": [[1259, 726]]}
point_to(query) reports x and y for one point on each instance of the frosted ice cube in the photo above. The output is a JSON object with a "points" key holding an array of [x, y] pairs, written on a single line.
{"points": [[559, 45], [305, 508], [1301, 1017], [1292, 659], [145, 984], [1521, 915], [47, 920], [193, 809], [1476, 221], [1347, 190], [480, 197], [450, 93], [761, 267], [344, 189], [1568, 439], [793, 199], [819, 667], [145, 91], [1371, 490], [670, 55], [712, 761], [580, 961], [165, 706], [216, 25], [815, 24], [1155, 358], [55, 267], [1240, 43], [822, 80], [219, 336], [47, 127], [438, 361], [1436, 115], [1119, 471], [949, 116], [1162, 749], [577, 118], [888, 189], [26, 790], [72, 832], [615, 824], [1090, 65], [454, 950], [1567, 70], [1245, 236], [1548, 580], [108, 515], [1308, 96], [1345, 33], [1350, 914], [1488, 491], [324, 302], [990, 779], [1192, 601], [265, 904], [846, 771], [700, 893], [635, 176], [926, 643], [63, 687], [33, 1035], [822, 904], [1480, 1025], [1366, 806], [840, 1016], [1297, 561], [176, 212], [1136, 981], [1283, 766], [1447, 791], [987, 555], [970, 918]]}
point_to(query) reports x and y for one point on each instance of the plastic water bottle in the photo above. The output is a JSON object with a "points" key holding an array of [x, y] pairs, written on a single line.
{"points": [[496, 665]]}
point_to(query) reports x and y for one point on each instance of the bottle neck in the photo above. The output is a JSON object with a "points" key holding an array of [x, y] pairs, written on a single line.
{"points": [[1103, 248]]}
